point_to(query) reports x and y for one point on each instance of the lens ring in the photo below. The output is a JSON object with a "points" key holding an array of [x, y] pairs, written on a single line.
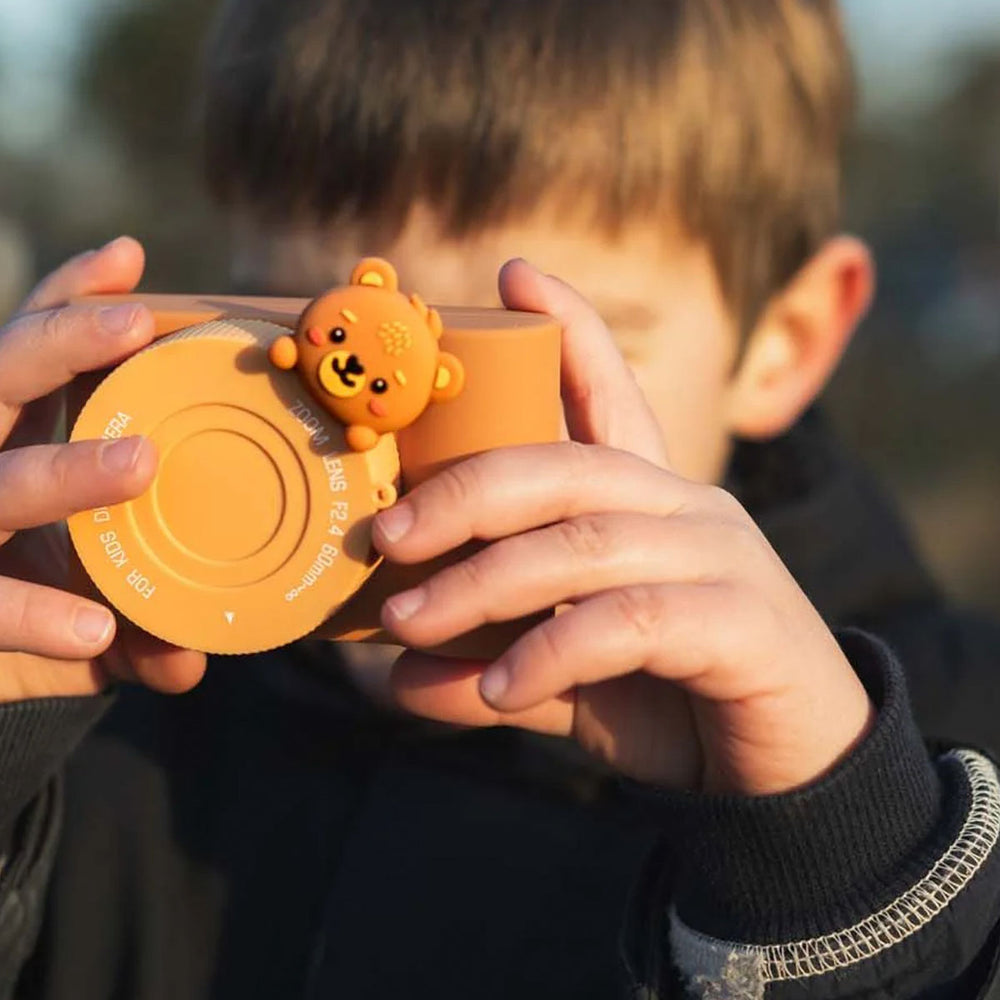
{"points": [[258, 525]]}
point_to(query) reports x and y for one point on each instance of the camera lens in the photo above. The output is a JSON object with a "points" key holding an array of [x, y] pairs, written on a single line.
{"points": [[257, 526]]}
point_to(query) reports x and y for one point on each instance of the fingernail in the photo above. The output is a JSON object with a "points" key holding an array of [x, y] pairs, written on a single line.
{"points": [[118, 320], [494, 682], [91, 625], [111, 243], [406, 604], [395, 522], [120, 456]]}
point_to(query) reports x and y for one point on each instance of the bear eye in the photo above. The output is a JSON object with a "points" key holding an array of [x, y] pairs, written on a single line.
{"points": [[338, 335], [379, 386]]}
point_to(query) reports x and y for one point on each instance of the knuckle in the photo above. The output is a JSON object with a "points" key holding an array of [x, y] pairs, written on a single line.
{"points": [[55, 477], [43, 295], [474, 572], [545, 647], [640, 609], [462, 484], [587, 461], [580, 457], [38, 299], [55, 287], [729, 629], [743, 541], [576, 467], [724, 503], [59, 324], [52, 323], [742, 619], [729, 531], [585, 537], [16, 478]]}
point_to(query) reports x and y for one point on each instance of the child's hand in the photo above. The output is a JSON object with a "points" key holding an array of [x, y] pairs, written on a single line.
{"points": [[689, 656], [50, 639]]}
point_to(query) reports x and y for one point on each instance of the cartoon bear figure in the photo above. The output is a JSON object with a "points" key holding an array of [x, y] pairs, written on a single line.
{"points": [[370, 355]]}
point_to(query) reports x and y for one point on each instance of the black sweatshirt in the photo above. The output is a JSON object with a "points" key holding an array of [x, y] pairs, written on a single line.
{"points": [[272, 834]]}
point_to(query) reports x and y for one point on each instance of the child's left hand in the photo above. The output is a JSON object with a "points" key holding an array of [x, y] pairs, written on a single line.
{"points": [[689, 656]]}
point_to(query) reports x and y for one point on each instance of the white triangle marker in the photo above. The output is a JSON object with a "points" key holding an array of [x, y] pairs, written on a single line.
{"points": [[230, 616]]}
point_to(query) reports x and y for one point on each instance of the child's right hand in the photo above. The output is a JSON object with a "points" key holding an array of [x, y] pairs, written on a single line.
{"points": [[52, 642], [687, 656]]}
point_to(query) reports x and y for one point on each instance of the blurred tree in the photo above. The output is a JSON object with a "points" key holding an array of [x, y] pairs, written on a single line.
{"points": [[918, 395], [139, 75], [938, 170], [137, 81], [963, 136]]}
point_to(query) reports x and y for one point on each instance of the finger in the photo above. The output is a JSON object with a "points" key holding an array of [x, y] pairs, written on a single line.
{"points": [[48, 622], [116, 267], [447, 690], [141, 658], [603, 402], [508, 490], [40, 352], [696, 635], [562, 563], [26, 675], [47, 483]]}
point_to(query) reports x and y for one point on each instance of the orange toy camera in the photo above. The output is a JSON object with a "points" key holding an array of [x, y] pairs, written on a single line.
{"points": [[283, 426]]}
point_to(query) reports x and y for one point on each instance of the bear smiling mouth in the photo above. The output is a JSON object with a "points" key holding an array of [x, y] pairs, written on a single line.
{"points": [[351, 370]]}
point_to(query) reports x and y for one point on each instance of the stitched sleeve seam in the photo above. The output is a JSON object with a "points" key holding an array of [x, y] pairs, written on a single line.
{"points": [[696, 953]]}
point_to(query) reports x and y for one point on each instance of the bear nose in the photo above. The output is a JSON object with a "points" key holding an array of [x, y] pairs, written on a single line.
{"points": [[342, 374], [349, 370]]}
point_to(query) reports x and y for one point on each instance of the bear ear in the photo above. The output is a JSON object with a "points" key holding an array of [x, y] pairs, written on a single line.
{"points": [[434, 322], [377, 273], [450, 378]]}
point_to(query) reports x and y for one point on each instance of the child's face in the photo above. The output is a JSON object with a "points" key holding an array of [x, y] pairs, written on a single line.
{"points": [[657, 292]]}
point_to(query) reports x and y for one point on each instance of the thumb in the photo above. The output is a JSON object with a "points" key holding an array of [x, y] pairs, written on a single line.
{"points": [[116, 267], [601, 398]]}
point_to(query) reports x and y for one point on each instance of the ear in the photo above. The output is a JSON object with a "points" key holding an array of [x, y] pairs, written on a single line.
{"points": [[376, 272], [800, 339], [450, 378]]}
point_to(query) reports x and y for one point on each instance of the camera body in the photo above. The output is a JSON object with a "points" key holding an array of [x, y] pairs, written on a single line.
{"points": [[283, 426]]}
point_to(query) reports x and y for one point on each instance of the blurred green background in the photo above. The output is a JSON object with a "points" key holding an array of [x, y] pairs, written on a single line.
{"points": [[98, 136]]}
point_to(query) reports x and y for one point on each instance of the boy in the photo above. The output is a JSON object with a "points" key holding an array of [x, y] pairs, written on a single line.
{"points": [[274, 833]]}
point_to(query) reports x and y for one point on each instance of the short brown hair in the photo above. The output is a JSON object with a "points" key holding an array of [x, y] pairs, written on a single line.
{"points": [[727, 115]]}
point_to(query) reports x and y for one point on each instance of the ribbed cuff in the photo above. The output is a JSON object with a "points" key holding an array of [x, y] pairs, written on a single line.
{"points": [[784, 867], [36, 737]]}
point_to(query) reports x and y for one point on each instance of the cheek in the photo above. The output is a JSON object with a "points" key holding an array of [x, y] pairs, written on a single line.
{"points": [[695, 432], [687, 391]]}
